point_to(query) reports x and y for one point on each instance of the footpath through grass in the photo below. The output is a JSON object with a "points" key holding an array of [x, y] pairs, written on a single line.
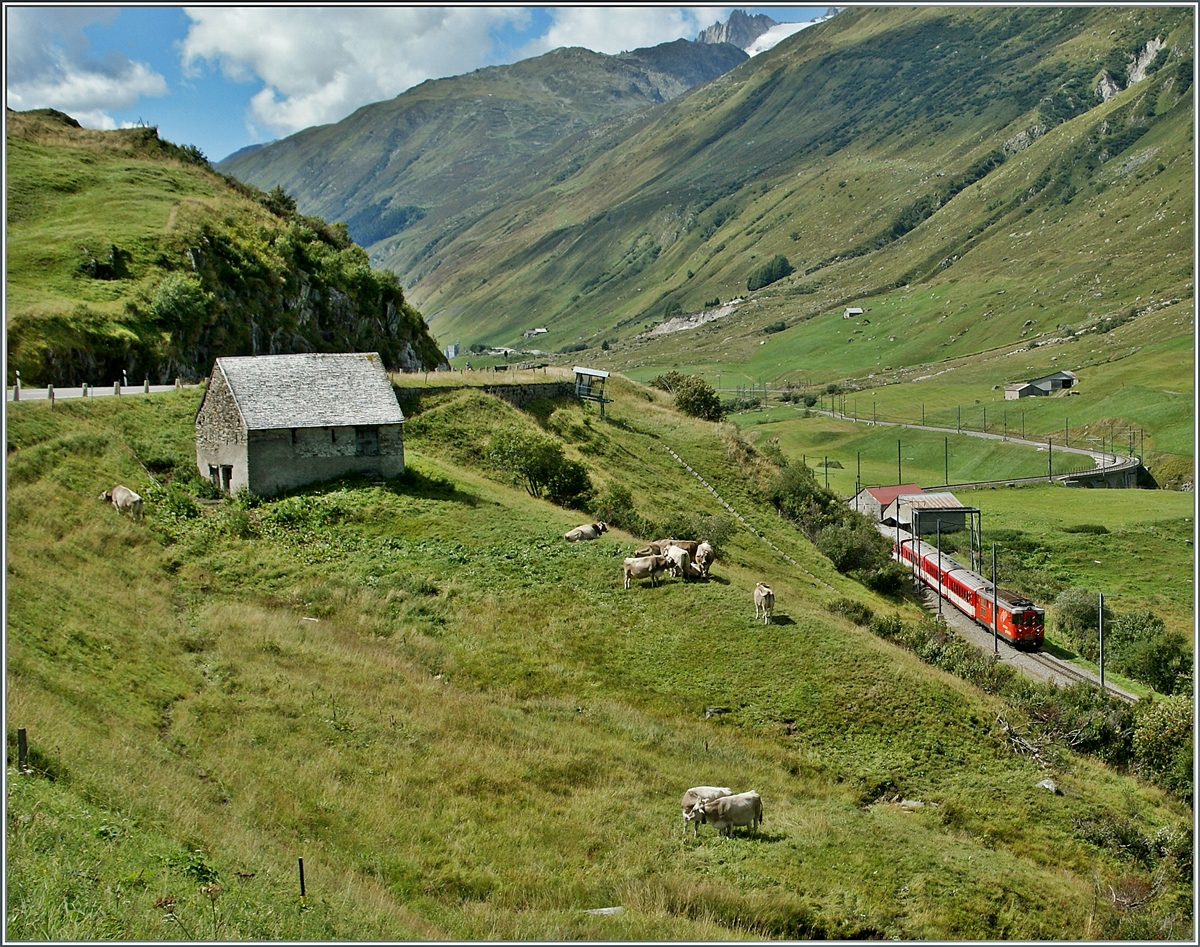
{"points": [[469, 730]]}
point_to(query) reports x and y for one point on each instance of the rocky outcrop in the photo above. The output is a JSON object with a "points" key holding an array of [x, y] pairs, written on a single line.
{"points": [[740, 29]]}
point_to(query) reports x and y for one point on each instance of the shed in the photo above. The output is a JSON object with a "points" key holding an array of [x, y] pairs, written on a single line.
{"points": [[1055, 382], [273, 422], [851, 312], [1021, 390], [874, 500], [930, 509], [589, 385]]}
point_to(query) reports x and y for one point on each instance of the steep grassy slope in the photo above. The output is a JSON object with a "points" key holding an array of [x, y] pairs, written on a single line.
{"points": [[955, 152], [129, 253], [411, 171], [467, 728]]}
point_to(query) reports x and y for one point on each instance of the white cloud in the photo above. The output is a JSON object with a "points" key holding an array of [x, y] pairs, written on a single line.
{"points": [[617, 29], [48, 66], [318, 64]]}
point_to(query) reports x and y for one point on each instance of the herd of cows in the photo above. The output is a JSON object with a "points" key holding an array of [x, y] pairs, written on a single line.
{"points": [[681, 558]]}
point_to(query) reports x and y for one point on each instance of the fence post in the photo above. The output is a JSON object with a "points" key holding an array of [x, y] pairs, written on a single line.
{"points": [[50, 394], [22, 751]]}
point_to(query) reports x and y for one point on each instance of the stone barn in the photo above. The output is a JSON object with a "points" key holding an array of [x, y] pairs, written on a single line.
{"points": [[274, 422]]}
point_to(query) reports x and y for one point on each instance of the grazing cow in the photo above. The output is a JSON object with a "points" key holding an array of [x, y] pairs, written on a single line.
{"points": [[586, 532], [725, 812], [645, 567], [123, 499], [764, 599], [704, 557], [650, 549], [681, 562], [693, 797]]}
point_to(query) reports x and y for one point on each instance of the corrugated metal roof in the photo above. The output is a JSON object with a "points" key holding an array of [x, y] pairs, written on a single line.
{"points": [[311, 390], [943, 501], [594, 372]]}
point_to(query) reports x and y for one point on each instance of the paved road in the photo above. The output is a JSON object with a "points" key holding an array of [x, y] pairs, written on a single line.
{"points": [[100, 391]]}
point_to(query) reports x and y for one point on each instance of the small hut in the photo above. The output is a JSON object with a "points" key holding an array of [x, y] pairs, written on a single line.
{"points": [[589, 385]]}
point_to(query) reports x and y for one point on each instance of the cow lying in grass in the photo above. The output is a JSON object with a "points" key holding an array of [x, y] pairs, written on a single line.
{"points": [[124, 500], [585, 532]]}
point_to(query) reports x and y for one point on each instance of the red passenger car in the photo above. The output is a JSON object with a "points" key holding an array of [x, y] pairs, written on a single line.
{"points": [[1017, 620]]}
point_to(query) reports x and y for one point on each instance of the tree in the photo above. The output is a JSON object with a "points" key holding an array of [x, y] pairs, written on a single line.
{"points": [[179, 301], [698, 398], [773, 270], [539, 463]]}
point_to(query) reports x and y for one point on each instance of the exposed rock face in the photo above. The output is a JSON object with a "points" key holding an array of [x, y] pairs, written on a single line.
{"points": [[1137, 72], [740, 29]]}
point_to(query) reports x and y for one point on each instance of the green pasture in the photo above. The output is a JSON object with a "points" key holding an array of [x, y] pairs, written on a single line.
{"points": [[873, 449], [469, 730]]}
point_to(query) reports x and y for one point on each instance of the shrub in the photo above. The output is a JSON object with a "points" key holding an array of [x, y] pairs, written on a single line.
{"points": [[854, 547], [773, 270], [668, 382], [1162, 742], [615, 507], [573, 347], [538, 462], [1142, 647], [743, 403], [715, 528], [697, 397], [773, 327], [857, 612], [1077, 616]]}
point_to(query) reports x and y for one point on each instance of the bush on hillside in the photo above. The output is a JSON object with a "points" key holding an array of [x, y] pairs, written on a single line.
{"points": [[538, 463], [667, 382], [697, 397], [773, 270], [615, 507], [1077, 617], [1162, 743], [715, 528], [1141, 647]]}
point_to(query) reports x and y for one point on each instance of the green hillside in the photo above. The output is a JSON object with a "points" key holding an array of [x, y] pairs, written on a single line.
{"points": [[126, 252], [408, 173], [467, 729]]}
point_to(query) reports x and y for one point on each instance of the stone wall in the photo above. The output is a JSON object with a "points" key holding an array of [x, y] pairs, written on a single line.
{"points": [[283, 459], [520, 395]]}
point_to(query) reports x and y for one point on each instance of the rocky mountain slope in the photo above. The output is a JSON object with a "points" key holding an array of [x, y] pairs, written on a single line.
{"points": [[128, 253], [406, 172], [945, 148]]}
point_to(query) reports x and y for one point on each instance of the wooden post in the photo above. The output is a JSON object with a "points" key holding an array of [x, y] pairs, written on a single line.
{"points": [[300, 861], [22, 751], [50, 394]]}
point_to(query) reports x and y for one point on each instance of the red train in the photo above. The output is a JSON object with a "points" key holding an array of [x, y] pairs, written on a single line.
{"points": [[1019, 621]]}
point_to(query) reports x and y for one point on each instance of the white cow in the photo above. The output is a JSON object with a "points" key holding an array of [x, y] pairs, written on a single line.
{"points": [[693, 797], [645, 567], [764, 600], [725, 812], [123, 499], [704, 557], [681, 562], [585, 532]]}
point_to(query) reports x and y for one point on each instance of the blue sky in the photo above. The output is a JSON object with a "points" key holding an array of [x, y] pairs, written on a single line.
{"points": [[224, 77]]}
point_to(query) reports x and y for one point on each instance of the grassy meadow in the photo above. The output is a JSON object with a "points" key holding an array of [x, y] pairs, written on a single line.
{"points": [[469, 730]]}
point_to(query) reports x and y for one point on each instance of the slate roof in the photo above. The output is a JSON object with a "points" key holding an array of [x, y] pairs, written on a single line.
{"points": [[311, 390]]}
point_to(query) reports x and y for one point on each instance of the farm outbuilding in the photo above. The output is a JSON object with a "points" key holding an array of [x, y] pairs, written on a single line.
{"points": [[851, 312], [874, 500], [926, 509], [273, 422], [1041, 386]]}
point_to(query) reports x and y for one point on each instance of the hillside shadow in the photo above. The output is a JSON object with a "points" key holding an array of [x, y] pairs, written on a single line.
{"points": [[414, 483], [782, 620]]}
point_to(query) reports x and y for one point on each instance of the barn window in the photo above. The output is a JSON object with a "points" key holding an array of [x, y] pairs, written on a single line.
{"points": [[366, 442]]}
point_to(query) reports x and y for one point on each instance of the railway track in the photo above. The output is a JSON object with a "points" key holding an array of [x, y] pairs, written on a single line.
{"points": [[1070, 674]]}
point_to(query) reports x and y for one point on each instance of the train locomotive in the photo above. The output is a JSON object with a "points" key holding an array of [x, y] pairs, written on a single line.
{"points": [[1018, 621]]}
